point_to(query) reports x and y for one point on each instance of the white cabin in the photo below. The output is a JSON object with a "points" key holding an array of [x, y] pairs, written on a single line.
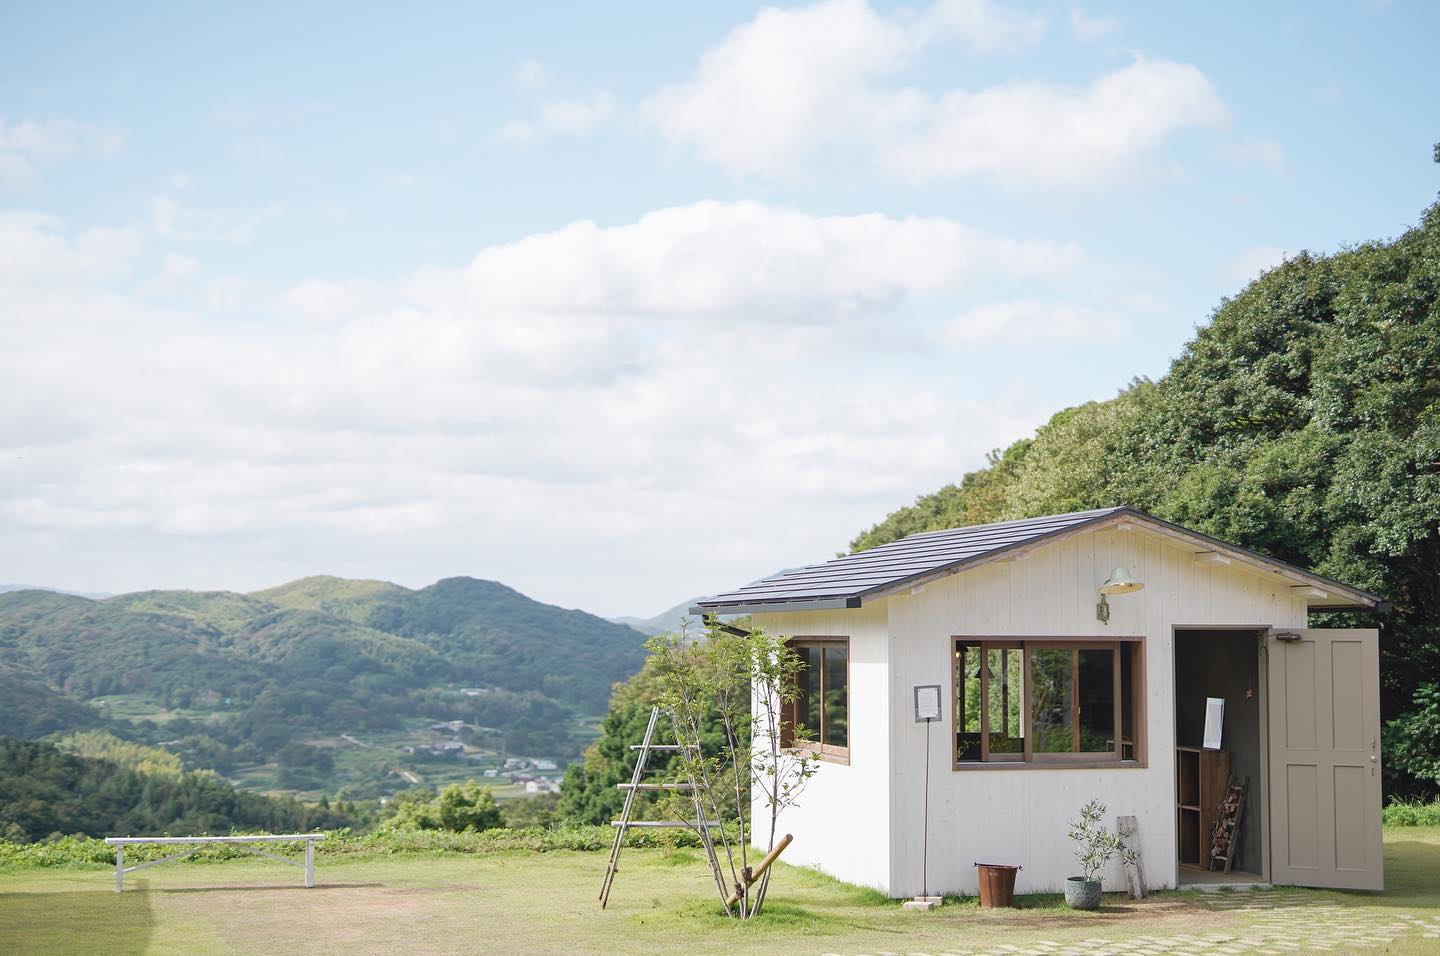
{"points": [[1045, 704]]}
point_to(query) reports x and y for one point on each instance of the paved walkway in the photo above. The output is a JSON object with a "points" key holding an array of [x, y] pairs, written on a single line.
{"points": [[1273, 923]]}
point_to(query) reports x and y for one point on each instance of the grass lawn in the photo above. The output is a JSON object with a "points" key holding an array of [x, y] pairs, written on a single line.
{"points": [[545, 903]]}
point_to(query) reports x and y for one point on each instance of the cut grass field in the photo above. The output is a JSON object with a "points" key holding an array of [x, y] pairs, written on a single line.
{"points": [[545, 903]]}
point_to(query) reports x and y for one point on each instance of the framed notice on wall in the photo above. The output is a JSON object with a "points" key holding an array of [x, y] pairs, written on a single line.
{"points": [[1214, 722], [927, 702]]}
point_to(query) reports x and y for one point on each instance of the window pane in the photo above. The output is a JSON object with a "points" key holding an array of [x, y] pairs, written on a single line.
{"points": [[1128, 653], [807, 706], [967, 702], [1053, 700], [837, 696], [1097, 701], [1003, 697]]}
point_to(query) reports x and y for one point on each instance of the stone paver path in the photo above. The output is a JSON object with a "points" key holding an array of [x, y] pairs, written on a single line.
{"points": [[1272, 923]]}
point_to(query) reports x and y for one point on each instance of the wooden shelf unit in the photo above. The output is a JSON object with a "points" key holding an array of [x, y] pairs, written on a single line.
{"points": [[1200, 780]]}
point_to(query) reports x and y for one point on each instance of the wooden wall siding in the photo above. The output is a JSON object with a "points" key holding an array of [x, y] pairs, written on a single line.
{"points": [[1019, 816], [841, 825]]}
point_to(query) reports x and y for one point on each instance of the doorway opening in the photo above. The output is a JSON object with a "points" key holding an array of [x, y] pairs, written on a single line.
{"points": [[1225, 665]]}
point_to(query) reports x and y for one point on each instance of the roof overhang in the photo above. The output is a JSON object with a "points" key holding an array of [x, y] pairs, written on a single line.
{"points": [[759, 607]]}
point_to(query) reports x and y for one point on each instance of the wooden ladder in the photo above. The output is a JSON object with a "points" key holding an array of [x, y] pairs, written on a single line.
{"points": [[702, 825]]}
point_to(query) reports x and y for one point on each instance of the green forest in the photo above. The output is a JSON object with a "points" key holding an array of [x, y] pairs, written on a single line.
{"points": [[228, 680], [123, 789]]}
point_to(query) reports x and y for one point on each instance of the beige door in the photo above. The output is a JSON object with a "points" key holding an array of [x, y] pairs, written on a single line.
{"points": [[1324, 690]]}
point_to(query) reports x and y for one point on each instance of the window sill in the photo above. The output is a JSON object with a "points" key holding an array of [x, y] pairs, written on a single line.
{"points": [[824, 756], [1052, 765]]}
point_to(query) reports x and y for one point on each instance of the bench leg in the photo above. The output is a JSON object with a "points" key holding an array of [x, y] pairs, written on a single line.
{"points": [[309, 862], [119, 867]]}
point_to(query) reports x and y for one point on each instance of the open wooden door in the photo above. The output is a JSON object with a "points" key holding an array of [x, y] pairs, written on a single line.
{"points": [[1324, 694]]}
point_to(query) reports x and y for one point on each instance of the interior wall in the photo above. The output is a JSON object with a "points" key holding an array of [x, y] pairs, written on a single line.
{"points": [[1225, 664]]}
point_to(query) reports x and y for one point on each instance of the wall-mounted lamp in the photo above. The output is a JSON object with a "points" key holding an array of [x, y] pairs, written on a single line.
{"points": [[1121, 581]]}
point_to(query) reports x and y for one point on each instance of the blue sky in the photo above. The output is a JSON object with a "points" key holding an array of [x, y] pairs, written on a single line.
{"points": [[619, 305]]}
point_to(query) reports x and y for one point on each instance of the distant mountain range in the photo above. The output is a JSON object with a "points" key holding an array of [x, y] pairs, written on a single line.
{"points": [[241, 676], [96, 595], [662, 623]]}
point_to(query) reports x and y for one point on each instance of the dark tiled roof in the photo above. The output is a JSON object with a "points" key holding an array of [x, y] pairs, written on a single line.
{"points": [[844, 581]]}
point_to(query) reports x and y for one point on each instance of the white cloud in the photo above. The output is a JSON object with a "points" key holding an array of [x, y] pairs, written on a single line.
{"points": [[518, 132], [1057, 136], [792, 83], [982, 26], [34, 249], [1256, 151], [556, 396], [25, 144], [172, 220], [572, 116], [578, 116], [529, 75], [1030, 322], [1253, 261], [785, 83], [1088, 29]]}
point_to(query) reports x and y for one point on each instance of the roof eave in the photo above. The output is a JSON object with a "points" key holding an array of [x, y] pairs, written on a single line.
{"points": [[841, 603]]}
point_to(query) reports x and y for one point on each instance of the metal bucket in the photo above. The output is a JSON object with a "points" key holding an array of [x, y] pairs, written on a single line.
{"points": [[997, 884]]}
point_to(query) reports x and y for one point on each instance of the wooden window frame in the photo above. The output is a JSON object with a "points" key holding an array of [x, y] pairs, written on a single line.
{"points": [[826, 752], [1029, 760]]}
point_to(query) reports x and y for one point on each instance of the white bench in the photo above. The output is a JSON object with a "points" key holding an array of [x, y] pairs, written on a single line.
{"points": [[199, 843]]}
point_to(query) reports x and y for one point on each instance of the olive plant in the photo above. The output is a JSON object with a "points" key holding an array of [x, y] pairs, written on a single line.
{"points": [[1095, 845], [741, 681]]}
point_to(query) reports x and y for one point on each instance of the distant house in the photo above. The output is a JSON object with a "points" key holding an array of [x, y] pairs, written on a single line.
{"points": [[539, 786], [450, 726], [1071, 658], [448, 748], [474, 691], [546, 765], [516, 763]]}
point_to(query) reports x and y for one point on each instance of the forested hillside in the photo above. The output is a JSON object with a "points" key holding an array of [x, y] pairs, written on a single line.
{"points": [[232, 679], [1304, 422], [44, 791]]}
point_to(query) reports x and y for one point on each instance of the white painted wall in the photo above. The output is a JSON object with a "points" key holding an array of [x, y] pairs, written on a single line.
{"points": [[863, 823], [840, 825]]}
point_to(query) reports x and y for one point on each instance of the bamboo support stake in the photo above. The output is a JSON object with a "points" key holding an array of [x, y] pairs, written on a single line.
{"points": [[759, 871]]}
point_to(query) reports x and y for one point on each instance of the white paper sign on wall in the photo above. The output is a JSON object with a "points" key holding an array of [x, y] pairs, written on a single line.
{"points": [[1214, 722], [927, 702]]}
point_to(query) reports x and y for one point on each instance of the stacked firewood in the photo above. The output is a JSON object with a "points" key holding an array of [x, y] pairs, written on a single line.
{"points": [[1227, 825]]}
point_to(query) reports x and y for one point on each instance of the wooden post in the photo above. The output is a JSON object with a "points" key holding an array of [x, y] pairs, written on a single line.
{"points": [[119, 867], [751, 878], [1134, 876], [309, 862]]}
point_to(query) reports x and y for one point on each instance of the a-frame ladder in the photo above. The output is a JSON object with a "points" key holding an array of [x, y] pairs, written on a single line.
{"points": [[701, 824]]}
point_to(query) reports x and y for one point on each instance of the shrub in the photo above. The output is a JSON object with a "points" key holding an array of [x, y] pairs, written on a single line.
{"points": [[458, 807], [1412, 813], [80, 851]]}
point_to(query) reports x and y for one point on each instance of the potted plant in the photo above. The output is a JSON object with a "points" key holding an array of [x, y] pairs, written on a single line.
{"points": [[1095, 846]]}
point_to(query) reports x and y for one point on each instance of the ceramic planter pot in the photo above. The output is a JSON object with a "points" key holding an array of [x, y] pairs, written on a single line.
{"points": [[1082, 894]]}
